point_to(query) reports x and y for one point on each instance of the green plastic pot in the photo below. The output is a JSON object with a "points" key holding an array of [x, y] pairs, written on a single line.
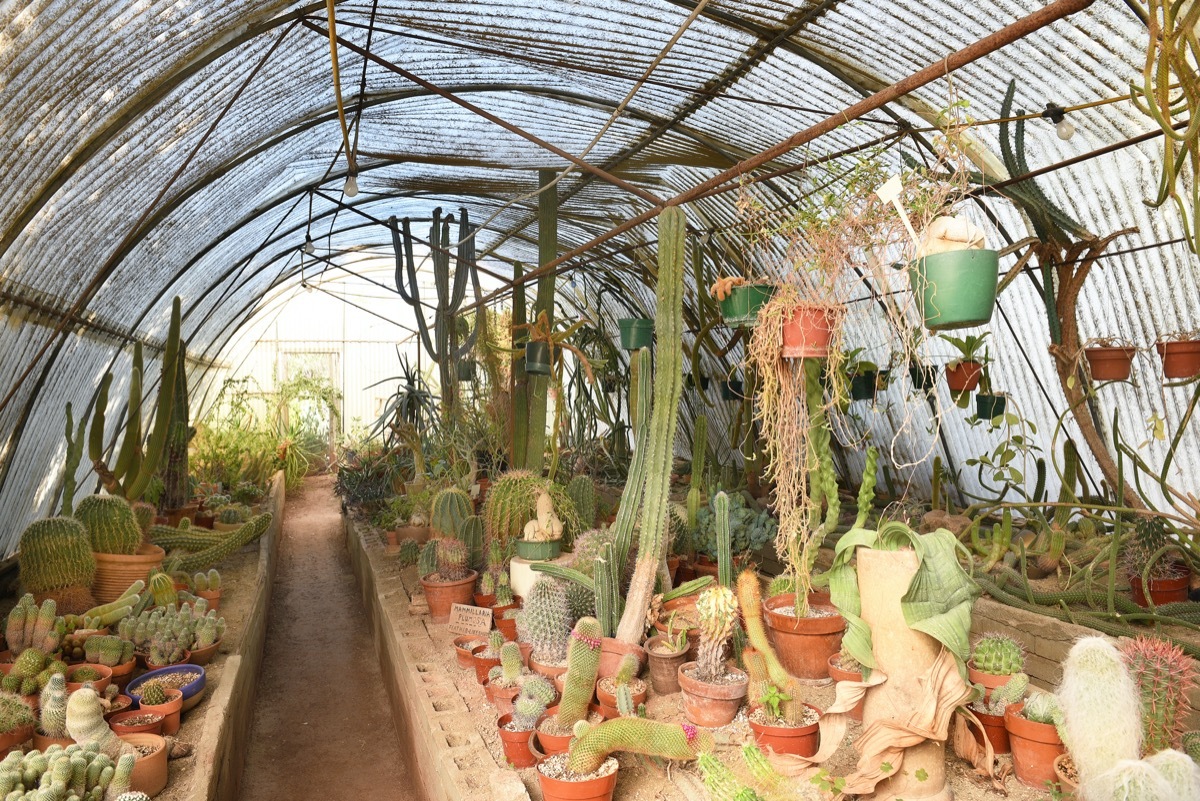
{"points": [[636, 332], [863, 385], [537, 358], [690, 381], [466, 371], [990, 406], [740, 309], [924, 376], [539, 551], [956, 289]]}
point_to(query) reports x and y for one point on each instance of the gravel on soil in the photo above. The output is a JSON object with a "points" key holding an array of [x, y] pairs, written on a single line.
{"points": [[555, 767]]}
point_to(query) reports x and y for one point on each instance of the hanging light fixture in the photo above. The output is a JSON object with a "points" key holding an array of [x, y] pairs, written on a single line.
{"points": [[309, 247], [351, 187], [1058, 115]]}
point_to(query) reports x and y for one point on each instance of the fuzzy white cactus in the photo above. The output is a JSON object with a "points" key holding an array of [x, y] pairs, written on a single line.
{"points": [[1101, 707]]}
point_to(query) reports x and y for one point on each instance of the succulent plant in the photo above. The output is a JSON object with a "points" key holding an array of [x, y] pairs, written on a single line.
{"points": [[627, 670], [450, 509], [56, 562], [108, 650], [508, 673], [1164, 675], [67, 774], [1150, 535], [583, 661], [717, 609], [636, 735], [228, 544], [998, 655], [750, 529], [545, 621], [512, 502], [526, 712], [1098, 695], [582, 492], [52, 707], [427, 559], [248, 493], [538, 687], [451, 557], [487, 583], [87, 727], [233, 514], [504, 595], [1011, 692], [153, 694], [33, 626], [85, 673], [14, 714], [110, 523]]}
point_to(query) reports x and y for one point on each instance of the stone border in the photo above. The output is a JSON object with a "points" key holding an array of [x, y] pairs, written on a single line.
{"points": [[221, 749], [448, 759]]}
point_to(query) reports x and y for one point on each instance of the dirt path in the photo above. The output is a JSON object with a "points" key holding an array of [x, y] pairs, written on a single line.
{"points": [[322, 724]]}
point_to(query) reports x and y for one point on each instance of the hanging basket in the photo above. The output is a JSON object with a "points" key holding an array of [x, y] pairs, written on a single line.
{"points": [[964, 376], [956, 289], [636, 332], [864, 385], [808, 332], [989, 406], [740, 308], [731, 390], [1180, 359], [537, 358], [1110, 363]]}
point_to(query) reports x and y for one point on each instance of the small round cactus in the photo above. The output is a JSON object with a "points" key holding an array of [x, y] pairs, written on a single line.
{"points": [[153, 694], [998, 655]]}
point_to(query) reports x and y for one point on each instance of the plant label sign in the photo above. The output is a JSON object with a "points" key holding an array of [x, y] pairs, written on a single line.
{"points": [[466, 619]]}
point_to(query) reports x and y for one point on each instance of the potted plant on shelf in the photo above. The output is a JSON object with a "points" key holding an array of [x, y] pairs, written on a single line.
{"points": [[166, 701], [862, 375], [1109, 359], [1149, 559], [122, 557], [445, 576], [1033, 735], [516, 728], [545, 623], [990, 705], [713, 690], [579, 686], [740, 300], [636, 332], [963, 373], [504, 680], [208, 586], [542, 538], [1180, 354], [666, 652], [487, 656]]}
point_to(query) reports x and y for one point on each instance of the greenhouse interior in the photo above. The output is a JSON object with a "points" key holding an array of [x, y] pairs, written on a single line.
{"points": [[684, 399]]}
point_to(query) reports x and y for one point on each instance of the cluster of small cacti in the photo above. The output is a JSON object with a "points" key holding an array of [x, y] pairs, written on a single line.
{"points": [[108, 650], [217, 501], [165, 633], [33, 626], [1011, 692], [582, 492], [510, 670], [504, 593], [248, 492], [410, 551], [545, 621], [527, 710], [73, 773], [583, 662], [998, 655], [56, 562], [110, 523], [207, 582], [717, 610], [593, 744], [31, 672], [750, 528], [232, 514], [1164, 676]]}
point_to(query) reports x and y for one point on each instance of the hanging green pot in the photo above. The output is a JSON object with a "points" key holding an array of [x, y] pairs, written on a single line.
{"points": [[466, 371], [690, 381], [956, 289], [740, 309], [863, 385], [731, 390], [990, 406], [636, 332], [924, 376], [537, 358], [539, 551]]}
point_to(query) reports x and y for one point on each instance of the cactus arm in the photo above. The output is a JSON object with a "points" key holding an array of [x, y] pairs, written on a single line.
{"points": [[162, 414], [399, 251], [866, 491], [132, 441], [74, 454], [565, 573], [724, 537], [96, 437], [638, 736]]}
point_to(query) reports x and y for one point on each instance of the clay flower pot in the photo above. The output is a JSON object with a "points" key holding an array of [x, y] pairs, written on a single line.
{"points": [[711, 705], [1180, 359], [12, 739], [1162, 591], [507, 627], [149, 772], [808, 331], [1110, 363], [598, 789], [98, 685], [995, 730], [170, 711], [122, 703], [837, 674], [612, 651], [608, 701], [419, 533], [213, 597], [515, 744], [1035, 746], [501, 697], [804, 645], [202, 656], [550, 743], [693, 634], [41, 742], [121, 675], [115, 572], [664, 667], [990, 681], [964, 376], [485, 601], [796, 740], [549, 671], [482, 664], [193, 691], [463, 646], [1067, 782], [441, 595], [117, 722]]}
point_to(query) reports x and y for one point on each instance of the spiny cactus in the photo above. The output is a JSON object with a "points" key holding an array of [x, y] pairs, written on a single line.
{"points": [[538, 687], [53, 707], [583, 662], [207, 582], [1098, 695], [526, 712], [86, 725], [248, 492], [1191, 745], [133, 796], [1181, 773], [162, 587], [452, 560], [110, 524], [67, 774], [582, 492], [1150, 535], [508, 673], [1011, 692], [185, 538], [627, 670], [450, 509], [427, 560], [152, 694], [108, 650], [1164, 675], [14, 714], [720, 781], [638, 736], [471, 533], [56, 562], [504, 595], [233, 540], [33, 626], [998, 655], [233, 514], [717, 610], [750, 599], [144, 514], [625, 705], [545, 621], [580, 600]]}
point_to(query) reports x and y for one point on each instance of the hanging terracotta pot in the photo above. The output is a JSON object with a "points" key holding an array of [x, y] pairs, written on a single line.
{"points": [[664, 665], [612, 651], [808, 331], [515, 744], [740, 308], [1162, 590], [537, 358], [597, 789], [963, 376], [1035, 746], [804, 644], [994, 729], [442, 595], [956, 289], [636, 332], [1180, 359], [1110, 363], [837, 674], [711, 705], [795, 740]]}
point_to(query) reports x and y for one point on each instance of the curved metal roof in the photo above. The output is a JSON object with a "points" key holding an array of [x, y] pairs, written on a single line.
{"points": [[160, 149]]}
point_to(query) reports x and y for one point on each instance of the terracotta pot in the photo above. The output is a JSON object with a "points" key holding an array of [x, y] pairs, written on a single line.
{"points": [[98, 685], [115, 572], [1035, 746], [804, 645], [498, 611], [612, 651], [808, 331], [219, 526], [516, 744], [118, 725], [14, 738], [1110, 364], [213, 597], [837, 674], [711, 705], [149, 772], [122, 703], [203, 519], [1162, 591], [482, 664], [462, 652], [393, 541], [552, 744], [507, 627], [599, 789], [993, 727], [41, 742], [485, 601], [441, 595], [705, 568], [421, 534], [990, 681], [673, 568], [176, 516], [1180, 359], [549, 671], [693, 634], [202, 656], [501, 697], [608, 701], [686, 572], [526, 652], [145, 660], [664, 668], [170, 711], [796, 740], [1065, 783], [964, 377]]}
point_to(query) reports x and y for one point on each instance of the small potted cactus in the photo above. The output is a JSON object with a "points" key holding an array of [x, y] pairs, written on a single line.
{"points": [[844, 667], [995, 660], [208, 586], [712, 690], [542, 538], [231, 517], [16, 721], [445, 576], [122, 557], [990, 708], [504, 680], [485, 589], [516, 729], [1033, 733], [583, 664], [487, 656], [208, 632], [545, 623], [609, 692], [98, 676], [505, 600], [665, 653], [157, 700]]}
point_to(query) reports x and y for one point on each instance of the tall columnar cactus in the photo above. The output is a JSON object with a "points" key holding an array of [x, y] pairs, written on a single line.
{"points": [[130, 474], [444, 345], [214, 555], [998, 655], [668, 378], [177, 491], [451, 508], [75, 443], [638, 736], [52, 711], [56, 562], [508, 672], [606, 575], [110, 524], [1164, 675], [545, 621], [717, 610], [724, 539], [699, 458], [452, 560], [582, 492], [749, 595], [583, 662]]}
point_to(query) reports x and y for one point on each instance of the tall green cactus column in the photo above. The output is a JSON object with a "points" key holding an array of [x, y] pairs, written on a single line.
{"points": [[177, 489], [519, 408], [668, 380], [539, 385]]}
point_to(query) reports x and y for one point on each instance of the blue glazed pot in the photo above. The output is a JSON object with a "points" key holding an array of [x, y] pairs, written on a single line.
{"points": [[192, 692]]}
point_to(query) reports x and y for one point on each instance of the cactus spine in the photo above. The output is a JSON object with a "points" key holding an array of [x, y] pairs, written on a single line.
{"points": [[668, 378], [545, 621], [583, 662], [1164, 674], [53, 707], [998, 655], [638, 736]]}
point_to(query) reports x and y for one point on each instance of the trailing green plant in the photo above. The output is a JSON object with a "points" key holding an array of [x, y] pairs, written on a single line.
{"points": [[593, 744], [110, 523], [545, 621], [583, 661], [56, 561], [1164, 675], [998, 654]]}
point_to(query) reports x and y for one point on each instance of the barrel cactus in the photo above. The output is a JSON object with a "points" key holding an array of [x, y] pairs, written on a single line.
{"points": [[545, 621], [233, 514], [450, 509], [526, 712], [998, 655], [539, 688], [110, 523], [56, 562], [452, 560], [153, 694]]}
